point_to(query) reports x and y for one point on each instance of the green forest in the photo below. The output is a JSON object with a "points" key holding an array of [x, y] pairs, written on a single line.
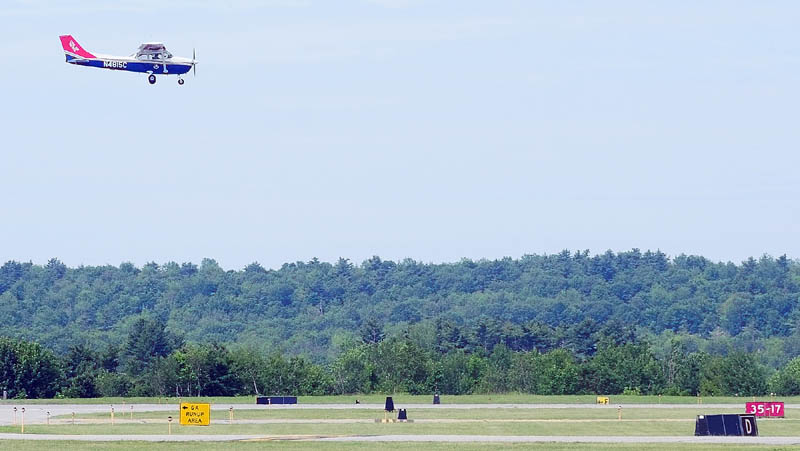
{"points": [[634, 322]]}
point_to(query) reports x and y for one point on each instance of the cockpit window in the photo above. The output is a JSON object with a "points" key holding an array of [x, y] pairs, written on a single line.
{"points": [[152, 51]]}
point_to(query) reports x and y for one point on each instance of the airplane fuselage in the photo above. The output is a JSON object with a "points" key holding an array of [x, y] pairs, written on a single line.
{"points": [[151, 58], [171, 66]]}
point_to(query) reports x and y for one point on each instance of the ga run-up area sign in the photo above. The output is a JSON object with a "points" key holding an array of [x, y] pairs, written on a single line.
{"points": [[195, 414]]}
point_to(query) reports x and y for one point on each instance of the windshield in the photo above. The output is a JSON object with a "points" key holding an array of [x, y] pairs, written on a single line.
{"points": [[153, 51]]}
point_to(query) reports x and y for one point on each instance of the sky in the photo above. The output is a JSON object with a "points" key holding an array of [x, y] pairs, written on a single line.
{"points": [[431, 130]]}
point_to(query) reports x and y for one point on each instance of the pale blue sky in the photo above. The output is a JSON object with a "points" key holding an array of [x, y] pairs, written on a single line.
{"points": [[433, 130]]}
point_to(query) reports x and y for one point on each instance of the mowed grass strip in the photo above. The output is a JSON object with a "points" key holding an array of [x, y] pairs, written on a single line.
{"points": [[506, 398], [594, 413], [631, 427], [399, 446]]}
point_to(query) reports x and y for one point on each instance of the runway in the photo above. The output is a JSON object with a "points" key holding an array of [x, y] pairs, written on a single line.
{"points": [[566, 439], [783, 441]]}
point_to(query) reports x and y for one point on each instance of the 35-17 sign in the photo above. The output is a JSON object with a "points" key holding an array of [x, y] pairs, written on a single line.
{"points": [[765, 409]]}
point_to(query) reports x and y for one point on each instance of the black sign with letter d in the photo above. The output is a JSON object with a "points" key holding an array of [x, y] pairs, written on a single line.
{"points": [[749, 426]]}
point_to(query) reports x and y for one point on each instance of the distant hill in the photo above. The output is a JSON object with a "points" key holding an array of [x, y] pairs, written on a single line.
{"points": [[309, 308]]}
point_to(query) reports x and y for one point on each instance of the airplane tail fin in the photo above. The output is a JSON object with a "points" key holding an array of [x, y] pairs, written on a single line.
{"points": [[72, 48]]}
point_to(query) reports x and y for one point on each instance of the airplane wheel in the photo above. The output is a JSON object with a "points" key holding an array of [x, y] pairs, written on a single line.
{"points": [[180, 81], [152, 79]]}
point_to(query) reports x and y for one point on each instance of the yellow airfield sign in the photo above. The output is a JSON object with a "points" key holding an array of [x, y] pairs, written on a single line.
{"points": [[195, 414]]}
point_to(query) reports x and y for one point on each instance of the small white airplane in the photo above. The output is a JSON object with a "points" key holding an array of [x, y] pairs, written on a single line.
{"points": [[151, 58]]}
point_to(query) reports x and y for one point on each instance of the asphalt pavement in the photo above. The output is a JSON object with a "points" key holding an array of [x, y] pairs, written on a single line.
{"points": [[411, 438]]}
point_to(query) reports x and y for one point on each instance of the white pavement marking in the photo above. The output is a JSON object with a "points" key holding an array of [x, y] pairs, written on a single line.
{"points": [[148, 438], [565, 439], [410, 438], [86, 421]]}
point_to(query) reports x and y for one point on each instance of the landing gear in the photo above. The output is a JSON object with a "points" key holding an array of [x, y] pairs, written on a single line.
{"points": [[152, 79], [180, 81]]}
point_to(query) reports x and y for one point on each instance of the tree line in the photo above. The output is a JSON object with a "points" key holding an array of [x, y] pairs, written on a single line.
{"points": [[154, 362], [315, 308]]}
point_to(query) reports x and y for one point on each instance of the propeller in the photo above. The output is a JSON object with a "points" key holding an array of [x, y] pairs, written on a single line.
{"points": [[194, 64]]}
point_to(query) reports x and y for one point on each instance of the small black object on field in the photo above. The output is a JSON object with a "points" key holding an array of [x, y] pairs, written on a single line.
{"points": [[270, 400], [726, 424]]}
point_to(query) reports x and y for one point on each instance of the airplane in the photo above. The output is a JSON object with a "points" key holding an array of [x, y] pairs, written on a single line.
{"points": [[151, 58]]}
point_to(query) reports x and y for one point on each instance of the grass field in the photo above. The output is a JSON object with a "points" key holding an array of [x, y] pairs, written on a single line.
{"points": [[507, 398], [450, 420], [447, 419], [569, 427], [607, 413], [305, 446]]}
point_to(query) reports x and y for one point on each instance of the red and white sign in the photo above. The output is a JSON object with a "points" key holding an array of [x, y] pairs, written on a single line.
{"points": [[765, 409]]}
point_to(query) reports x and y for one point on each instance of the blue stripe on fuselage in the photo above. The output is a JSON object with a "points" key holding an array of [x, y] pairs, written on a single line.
{"points": [[132, 66]]}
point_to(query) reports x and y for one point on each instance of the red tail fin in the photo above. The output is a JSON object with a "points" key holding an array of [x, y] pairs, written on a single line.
{"points": [[71, 46]]}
